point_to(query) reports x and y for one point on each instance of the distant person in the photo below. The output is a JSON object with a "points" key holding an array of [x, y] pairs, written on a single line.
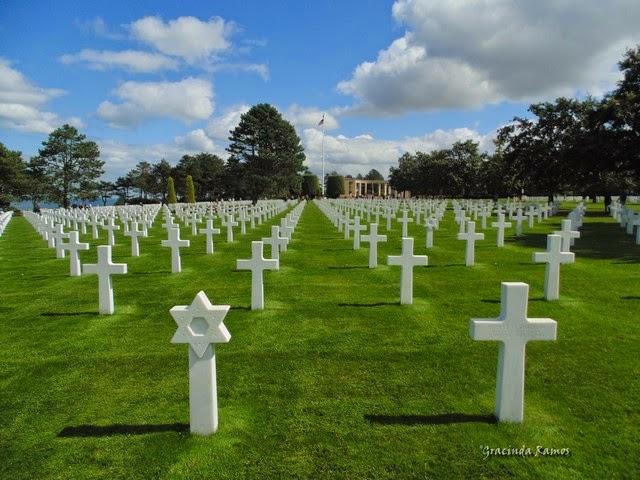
{"points": [[607, 204], [623, 199]]}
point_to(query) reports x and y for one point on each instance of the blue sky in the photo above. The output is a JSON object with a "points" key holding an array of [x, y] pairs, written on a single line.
{"points": [[149, 80]]}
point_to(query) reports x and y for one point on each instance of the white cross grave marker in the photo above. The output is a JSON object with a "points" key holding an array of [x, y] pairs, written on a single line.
{"points": [[257, 264], [405, 220], [513, 330], [74, 245], [209, 231], [553, 257], [518, 217], [229, 223], [430, 223], [104, 269], [277, 242], [357, 228], [373, 238], [470, 236], [110, 227], [568, 235], [407, 261], [134, 233], [58, 235], [175, 244], [200, 325], [500, 225]]}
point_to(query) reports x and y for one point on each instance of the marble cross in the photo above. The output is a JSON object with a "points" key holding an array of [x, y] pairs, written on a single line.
{"points": [[278, 243], [110, 227], [74, 245], [95, 223], [430, 223], [470, 236], [134, 233], [513, 330], [209, 231], [553, 257], [175, 244], [257, 264], [104, 269], [500, 225], [229, 223], [357, 228], [373, 239], [519, 218], [407, 261], [58, 235], [200, 326], [405, 220], [568, 235]]}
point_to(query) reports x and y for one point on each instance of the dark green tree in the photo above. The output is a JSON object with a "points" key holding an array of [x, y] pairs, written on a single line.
{"points": [[207, 171], [71, 164], [374, 175], [171, 191], [270, 151], [310, 185], [618, 125], [105, 189], [404, 177], [37, 181], [334, 185], [160, 173], [190, 195], [13, 180], [123, 186], [545, 151]]}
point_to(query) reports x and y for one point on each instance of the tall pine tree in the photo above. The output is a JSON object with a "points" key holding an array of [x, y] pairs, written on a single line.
{"points": [[269, 151]]}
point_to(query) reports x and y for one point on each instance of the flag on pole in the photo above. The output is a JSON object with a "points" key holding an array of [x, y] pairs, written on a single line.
{"points": [[321, 121]]}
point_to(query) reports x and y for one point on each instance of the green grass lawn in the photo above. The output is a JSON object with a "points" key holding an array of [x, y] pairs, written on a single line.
{"points": [[334, 378]]}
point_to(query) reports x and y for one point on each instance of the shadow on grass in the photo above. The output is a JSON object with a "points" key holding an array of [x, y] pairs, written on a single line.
{"points": [[235, 307], [630, 297], [348, 267], [121, 429], [379, 304], [442, 419], [531, 240], [42, 277], [69, 314], [161, 272]]}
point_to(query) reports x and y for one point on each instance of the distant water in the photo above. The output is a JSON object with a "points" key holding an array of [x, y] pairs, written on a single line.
{"points": [[28, 205]]}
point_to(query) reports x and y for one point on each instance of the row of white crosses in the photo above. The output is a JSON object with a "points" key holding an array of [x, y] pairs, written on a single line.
{"points": [[557, 253], [257, 264], [200, 325], [55, 235], [628, 218], [5, 217]]}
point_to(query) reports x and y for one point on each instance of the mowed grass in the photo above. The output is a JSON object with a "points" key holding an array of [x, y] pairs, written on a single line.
{"points": [[334, 378]]}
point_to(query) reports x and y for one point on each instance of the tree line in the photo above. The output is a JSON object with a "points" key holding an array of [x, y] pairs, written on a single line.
{"points": [[584, 147], [266, 160]]}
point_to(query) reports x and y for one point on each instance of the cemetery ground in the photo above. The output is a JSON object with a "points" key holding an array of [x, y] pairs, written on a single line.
{"points": [[334, 378]]}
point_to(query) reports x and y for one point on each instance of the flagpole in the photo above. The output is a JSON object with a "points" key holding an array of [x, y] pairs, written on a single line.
{"points": [[323, 179]]}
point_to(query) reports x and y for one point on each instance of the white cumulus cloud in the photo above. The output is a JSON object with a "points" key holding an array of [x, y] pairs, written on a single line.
{"points": [[132, 60], [187, 37], [188, 100], [361, 153], [196, 140], [469, 53], [21, 102]]}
